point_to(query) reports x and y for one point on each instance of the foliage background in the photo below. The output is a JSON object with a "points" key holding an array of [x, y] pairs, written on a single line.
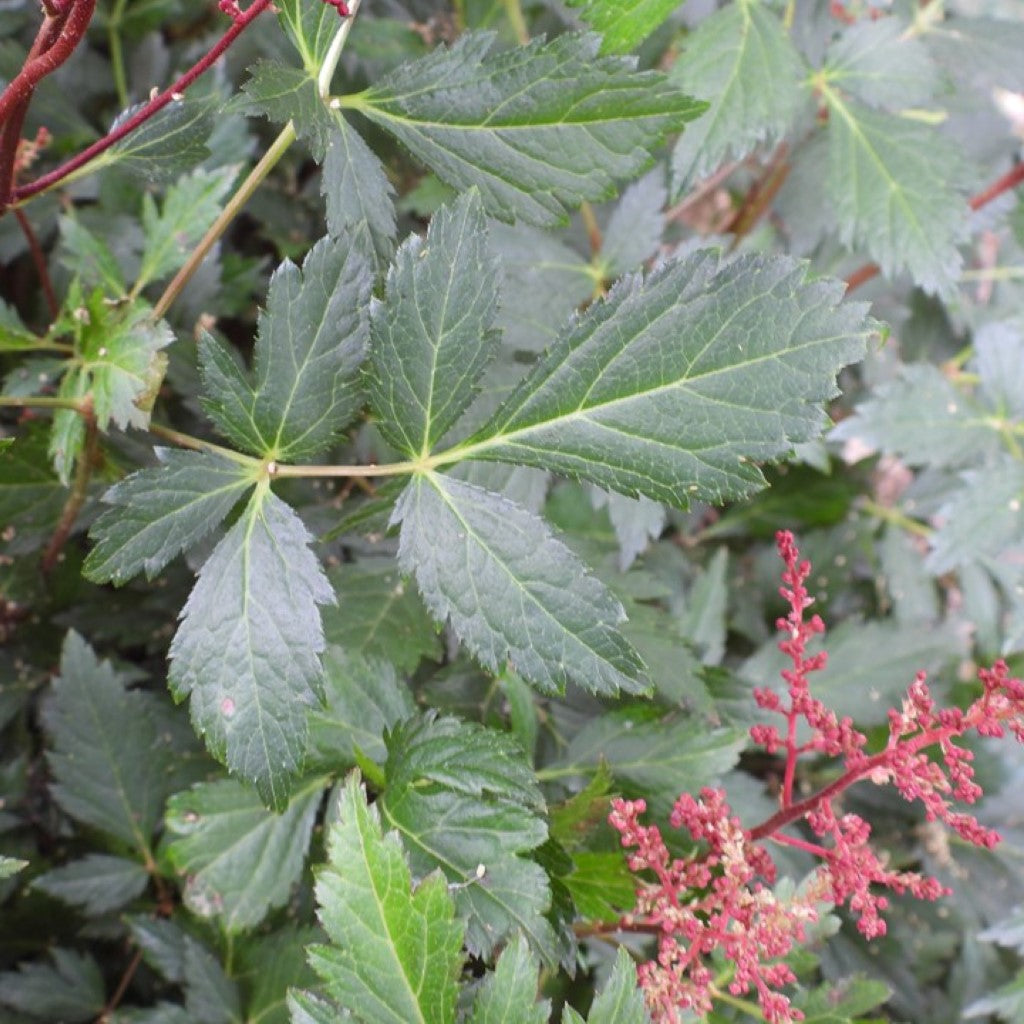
{"points": [[160, 889]]}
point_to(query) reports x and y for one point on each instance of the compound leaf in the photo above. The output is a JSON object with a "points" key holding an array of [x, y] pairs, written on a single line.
{"points": [[466, 801], [161, 512], [240, 860], [248, 644], [310, 343], [431, 338], [284, 94], [537, 129], [512, 591], [98, 883], [743, 61], [395, 952], [674, 386], [109, 757]]}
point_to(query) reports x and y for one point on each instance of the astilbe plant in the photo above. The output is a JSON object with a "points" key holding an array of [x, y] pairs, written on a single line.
{"points": [[719, 899]]}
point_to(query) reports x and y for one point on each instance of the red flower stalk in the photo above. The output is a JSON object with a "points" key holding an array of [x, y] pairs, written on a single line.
{"points": [[718, 900]]}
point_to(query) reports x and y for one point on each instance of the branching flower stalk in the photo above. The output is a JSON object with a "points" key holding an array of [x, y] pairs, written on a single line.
{"points": [[720, 900]]}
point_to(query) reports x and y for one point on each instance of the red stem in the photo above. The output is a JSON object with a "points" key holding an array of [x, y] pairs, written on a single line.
{"points": [[1012, 178], [145, 112]]}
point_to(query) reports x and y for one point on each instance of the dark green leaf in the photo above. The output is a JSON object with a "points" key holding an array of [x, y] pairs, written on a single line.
{"points": [[379, 615], [110, 757], [634, 230], [311, 340], [674, 386], [172, 141], [14, 335], [364, 698], [239, 859], [839, 1004], [31, 497], [248, 645], [97, 883], [70, 991], [160, 512], [742, 60], [89, 258], [211, 997], [620, 1001], [510, 589], [274, 963], [431, 338], [659, 757], [464, 797], [286, 94], [357, 190], [311, 27], [509, 994], [395, 953], [538, 128]]}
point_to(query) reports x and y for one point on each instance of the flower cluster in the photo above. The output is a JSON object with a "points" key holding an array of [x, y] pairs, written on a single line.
{"points": [[719, 899]]}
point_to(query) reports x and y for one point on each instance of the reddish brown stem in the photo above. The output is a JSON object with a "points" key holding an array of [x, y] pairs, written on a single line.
{"points": [[759, 198], [145, 112], [122, 987], [39, 259], [1010, 180]]}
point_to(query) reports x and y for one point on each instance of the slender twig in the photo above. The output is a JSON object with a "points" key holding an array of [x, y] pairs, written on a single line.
{"points": [[197, 444], [122, 987], [81, 406], [227, 215], [759, 198], [79, 492], [39, 259], [593, 228], [147, 110]]}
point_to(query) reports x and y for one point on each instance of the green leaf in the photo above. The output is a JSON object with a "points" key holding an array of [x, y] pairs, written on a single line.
{"points": [[431, 338], [248, 644], [972, 529], [14, 335], [509, 994], [892, 182], [838, 1004], [537, 129], [379, 615], [211, 997], [110, 758], [191, 205], [10, 866], [239, 859], [660, 757], [357, 190], [286, 94], [364, 698], [882, 63], [984, 51], [275, 963], [310, 27], [395, 952], [172, 141], [923, 418], [98, 883], [636, 521], [634, 230], [620, 1001], [511, 590], [160, 512], [601, 885], [463, 796], [311, 340], [89, 258], [672, 387], [742, 60], [624, 25], [70, 991], [31, 496]]}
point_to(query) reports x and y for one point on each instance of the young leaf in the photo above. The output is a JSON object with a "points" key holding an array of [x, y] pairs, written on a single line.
{"points": [[239, 859], [625, 24], [248, 645], [673, 386], [357, 190], [742, 60], [601, 885], [311, 341], [189, 208], [509, 994], [98, 883], [365, 698], [110, 759], [160, 512], [395, 952], [431, 338], [511, 590], [379, 615], [538, 128], [892, 184], [464, 796]]}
